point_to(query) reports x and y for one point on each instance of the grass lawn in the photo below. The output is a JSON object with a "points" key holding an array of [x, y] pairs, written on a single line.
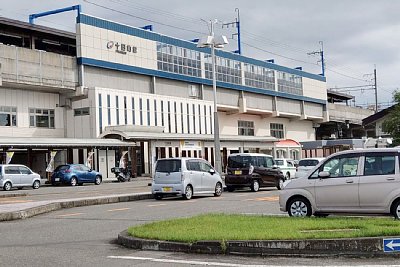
{"points": [[224, 227]]}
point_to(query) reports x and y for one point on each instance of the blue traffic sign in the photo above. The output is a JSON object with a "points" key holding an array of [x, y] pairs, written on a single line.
{"points": [[391, 245]]}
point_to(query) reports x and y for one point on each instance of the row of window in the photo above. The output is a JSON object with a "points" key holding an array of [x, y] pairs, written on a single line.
{"points": [[347, 165], [247, 128], [188, 62], [192, 118], [43, 118]]}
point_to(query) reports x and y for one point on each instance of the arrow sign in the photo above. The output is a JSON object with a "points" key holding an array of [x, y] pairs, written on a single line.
{"points": [[391, 245]]}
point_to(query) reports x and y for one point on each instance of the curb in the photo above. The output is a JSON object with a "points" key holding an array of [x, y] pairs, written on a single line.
{"points": [[59, 204], [354, 247]]}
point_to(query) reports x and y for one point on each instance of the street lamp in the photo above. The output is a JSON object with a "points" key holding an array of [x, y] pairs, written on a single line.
{"points": [[213, 42]]}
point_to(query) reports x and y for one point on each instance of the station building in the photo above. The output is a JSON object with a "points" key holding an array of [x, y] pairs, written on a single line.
{"points": [[111, 87]]}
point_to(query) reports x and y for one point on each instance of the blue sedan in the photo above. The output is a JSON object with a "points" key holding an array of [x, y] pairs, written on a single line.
{"points": [[75, 174]]}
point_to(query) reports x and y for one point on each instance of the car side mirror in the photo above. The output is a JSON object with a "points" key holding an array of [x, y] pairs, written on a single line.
{"points": [[324, 174], [274, 166], [212, 171]]}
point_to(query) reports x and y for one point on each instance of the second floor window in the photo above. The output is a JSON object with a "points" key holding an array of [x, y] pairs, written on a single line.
{"points": [[277, 130], [8, 116], [246, 128], [42, 118]]}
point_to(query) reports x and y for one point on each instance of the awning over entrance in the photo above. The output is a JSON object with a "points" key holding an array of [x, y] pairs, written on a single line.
{"points": [[44, 142], [287, 143]]}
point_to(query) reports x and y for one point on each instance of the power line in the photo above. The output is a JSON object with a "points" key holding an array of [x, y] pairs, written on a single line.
{"points": [[141, 18]]}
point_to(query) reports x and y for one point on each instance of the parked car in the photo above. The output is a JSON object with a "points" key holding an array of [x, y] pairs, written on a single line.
{"points": [[306, 165], [252, 170], [13, 175], [75, 174], [185, 177], [287, 166], [363, 181]]}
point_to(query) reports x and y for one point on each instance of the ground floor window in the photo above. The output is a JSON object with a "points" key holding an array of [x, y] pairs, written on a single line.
{"points": [[8, 116], [43, 118], [246, 128], [277, 130]]}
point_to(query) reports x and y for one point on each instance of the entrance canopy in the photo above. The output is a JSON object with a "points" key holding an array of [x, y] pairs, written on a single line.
{"points": [[44, 142]]}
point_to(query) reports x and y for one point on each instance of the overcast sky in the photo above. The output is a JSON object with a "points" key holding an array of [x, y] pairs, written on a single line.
{"points": [[356, 34]]}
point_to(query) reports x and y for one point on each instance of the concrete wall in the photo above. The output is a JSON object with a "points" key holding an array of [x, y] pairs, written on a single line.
{"points": [[96, 77], [314, 88], [353, 114], [22, 65], [23, 100]]}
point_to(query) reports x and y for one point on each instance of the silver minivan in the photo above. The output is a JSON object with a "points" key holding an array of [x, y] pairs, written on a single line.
{"points": [[185, 177], [12, 175], [365, 181]]}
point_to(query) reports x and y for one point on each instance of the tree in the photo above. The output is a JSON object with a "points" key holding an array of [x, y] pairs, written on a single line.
{"points": [[391, 125]]}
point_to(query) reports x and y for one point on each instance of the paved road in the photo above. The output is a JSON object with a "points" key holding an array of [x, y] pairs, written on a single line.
{"points": [[85, 236], [48, 192]]}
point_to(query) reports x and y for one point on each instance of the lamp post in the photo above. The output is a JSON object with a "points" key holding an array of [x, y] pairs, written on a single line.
{"points": [[213, 42]]}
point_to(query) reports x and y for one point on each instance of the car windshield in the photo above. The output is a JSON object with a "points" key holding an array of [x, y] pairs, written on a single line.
{"points": [[171, 165], [240, 161], [61, 168], [279, 162], [308, 162]]}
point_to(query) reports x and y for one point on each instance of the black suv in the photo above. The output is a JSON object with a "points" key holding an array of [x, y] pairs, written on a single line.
{"points": [[252, 170]]}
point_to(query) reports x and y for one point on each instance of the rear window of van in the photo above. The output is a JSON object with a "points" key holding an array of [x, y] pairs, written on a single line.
{"points": [[308, 162], [170, 165], [0, 170]]}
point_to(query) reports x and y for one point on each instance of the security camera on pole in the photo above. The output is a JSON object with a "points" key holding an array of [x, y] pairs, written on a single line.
{"points": [[213, 42]]}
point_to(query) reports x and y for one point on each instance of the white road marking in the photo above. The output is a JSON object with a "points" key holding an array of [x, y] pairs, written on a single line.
{"points": [[119, 209], [204, 263], [156, 205], [69, 214], [211, 263]]}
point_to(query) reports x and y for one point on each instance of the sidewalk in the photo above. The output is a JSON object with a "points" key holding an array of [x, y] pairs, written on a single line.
{"points": [[22, 209]]}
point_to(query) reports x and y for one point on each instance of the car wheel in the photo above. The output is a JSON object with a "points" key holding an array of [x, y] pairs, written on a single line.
{"points": [[218, 189], [230, 188], [299, 207], [280, 184], [158, 196], [7, 186], [396, 210], [287, 176], [98, 180], [74, 181], [188, 192], [36, 184], [255, 186]]}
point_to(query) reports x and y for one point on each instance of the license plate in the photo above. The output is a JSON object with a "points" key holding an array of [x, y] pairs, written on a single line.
{"points": [[57, 179], [238, 172], [167, 189]]}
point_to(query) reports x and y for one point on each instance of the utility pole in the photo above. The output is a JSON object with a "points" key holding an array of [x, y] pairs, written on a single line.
{"points": [[321, 53], [236, 24], [376, 90]]}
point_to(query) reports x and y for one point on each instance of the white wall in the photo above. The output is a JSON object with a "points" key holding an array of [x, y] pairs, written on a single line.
{"points": [[314, 88], [298, 130], [92, 43], [23, 100]]}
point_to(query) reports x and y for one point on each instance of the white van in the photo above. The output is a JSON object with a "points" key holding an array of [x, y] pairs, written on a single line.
{"points": [[12, 175], [185, 177]]}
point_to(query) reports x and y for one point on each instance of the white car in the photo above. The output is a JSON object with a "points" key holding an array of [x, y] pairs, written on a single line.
{"points": [[185, 177], [365, 181], [305, 165], [12, 175], [287, 167]]}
